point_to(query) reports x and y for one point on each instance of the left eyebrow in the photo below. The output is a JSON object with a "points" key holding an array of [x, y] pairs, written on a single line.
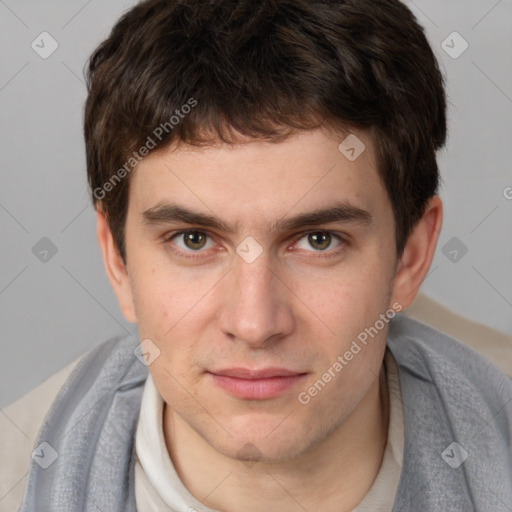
{"points": [[340, 212]]}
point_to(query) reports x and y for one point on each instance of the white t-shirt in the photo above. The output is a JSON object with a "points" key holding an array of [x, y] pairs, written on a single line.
{"points": [[158, 487]]}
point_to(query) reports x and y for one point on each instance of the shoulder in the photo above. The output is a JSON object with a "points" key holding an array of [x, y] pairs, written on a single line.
{"points": [[451, 381], [440, 358], [456, 406], [21, 421], [19, 426], [491, 343]]}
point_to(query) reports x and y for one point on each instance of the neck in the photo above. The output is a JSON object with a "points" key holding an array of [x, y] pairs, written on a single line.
{"points": [[334, 475]]}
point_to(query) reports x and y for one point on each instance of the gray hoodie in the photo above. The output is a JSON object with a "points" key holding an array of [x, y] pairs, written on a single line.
{"points": [[457, 417]]}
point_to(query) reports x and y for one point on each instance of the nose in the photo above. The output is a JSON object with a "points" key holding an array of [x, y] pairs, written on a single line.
{"points": [[255, 306]]}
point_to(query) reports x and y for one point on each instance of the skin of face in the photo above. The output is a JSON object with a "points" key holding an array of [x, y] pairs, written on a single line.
{"points": [[299, 304]]}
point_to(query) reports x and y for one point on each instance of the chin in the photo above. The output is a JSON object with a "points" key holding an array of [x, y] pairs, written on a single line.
{"points": [[268, 446]]}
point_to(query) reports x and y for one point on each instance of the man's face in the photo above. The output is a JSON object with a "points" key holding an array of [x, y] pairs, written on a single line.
{"points": [[258, 291]]}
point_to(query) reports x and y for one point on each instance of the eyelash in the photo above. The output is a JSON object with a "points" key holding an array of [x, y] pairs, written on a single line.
{"points": [[198, 254]]}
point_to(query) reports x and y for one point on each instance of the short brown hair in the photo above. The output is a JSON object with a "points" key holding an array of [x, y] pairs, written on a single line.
{"points": [[264, 70]]}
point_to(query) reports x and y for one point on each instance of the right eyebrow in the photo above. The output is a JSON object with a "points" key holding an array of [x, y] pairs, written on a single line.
{"points": [[166, 213]]}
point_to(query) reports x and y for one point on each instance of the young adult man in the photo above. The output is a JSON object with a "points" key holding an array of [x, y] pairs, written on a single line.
{"points": [[265, 180]]}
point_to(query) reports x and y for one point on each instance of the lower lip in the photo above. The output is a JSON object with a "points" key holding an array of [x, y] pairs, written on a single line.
{"points": [[256, 389]]}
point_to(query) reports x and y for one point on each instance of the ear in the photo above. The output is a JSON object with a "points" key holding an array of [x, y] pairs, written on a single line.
{"points": [[418, 253], [115, 268]]}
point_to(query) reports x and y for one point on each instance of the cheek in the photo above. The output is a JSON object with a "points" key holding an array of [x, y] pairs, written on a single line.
{"points": [[346, 300], [171, 311], [347, 324], [163, 296], [351, 354]]}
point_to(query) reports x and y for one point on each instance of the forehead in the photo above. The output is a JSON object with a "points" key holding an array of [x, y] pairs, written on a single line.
{"points": [[260, 180]]}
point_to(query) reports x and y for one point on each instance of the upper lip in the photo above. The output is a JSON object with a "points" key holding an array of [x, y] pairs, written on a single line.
{"points": [[263, 373]]}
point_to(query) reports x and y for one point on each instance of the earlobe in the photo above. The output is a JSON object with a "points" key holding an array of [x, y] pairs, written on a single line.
{"points": [[115, 268], [418, 254]]}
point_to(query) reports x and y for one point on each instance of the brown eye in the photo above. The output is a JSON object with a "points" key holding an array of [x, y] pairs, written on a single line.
{"points": [[191, 241], [194, 240], [320, 241]]}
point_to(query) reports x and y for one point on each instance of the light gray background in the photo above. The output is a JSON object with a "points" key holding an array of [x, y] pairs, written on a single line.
{"points": [[52, 312]]}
